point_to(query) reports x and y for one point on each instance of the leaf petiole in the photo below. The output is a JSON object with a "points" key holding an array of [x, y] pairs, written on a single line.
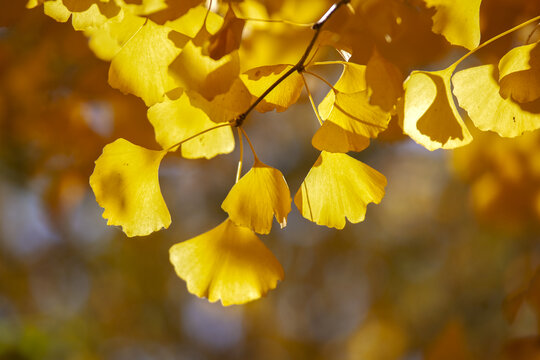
{"points": [[198, 134]]}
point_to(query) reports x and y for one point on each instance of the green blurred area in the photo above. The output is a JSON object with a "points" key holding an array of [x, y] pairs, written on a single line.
{"points": [[425, 276]]}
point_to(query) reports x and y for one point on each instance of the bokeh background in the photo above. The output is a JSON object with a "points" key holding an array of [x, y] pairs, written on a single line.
{"points": [[444, 268]]}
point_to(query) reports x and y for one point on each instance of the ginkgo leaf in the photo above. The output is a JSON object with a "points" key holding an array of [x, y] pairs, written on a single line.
{"points": [[195, 71], [228, 263], [57, 10], [352, 79], [125, 183], [85, 14], [107, 40], [257, 197], [385, 82], [141, 66], [353, 120], [477, 92], [519, 73], [228, 37], [259, 79], [457, 20], [176, 120], [330, 38], [430, 116], [338, 187], [190, 24], [333, 138]]}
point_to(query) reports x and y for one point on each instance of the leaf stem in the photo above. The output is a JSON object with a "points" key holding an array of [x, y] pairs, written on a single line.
{"points": [[300, 65], [322, 79], [199, 134], [337, 62], [287, 22], [497, 37], [255, 157], [241, 143], [311, 100]]}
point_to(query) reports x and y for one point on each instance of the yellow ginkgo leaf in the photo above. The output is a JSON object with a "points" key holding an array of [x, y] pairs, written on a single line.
{"points": [[385, 82], [338, 187], [333, 138], [107, 40], [228, 263], [141, 67], [354, 120], [192, 21], [195, 71], [257, 197], [519, 73], [457, 20], [85, 14], [228, 37], [176, 120], [259, 79], [477, 91], [125, 183], [352, 79], [429, 115]]}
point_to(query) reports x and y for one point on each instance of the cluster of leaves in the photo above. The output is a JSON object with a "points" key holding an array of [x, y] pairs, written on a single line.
{"points": [[190, 65]]}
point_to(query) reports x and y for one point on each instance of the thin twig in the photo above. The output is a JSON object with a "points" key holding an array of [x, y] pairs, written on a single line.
{"points": [[300, 65]]}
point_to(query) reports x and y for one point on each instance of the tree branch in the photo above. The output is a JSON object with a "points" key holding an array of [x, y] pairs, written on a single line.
{"points": [[300, 65]]}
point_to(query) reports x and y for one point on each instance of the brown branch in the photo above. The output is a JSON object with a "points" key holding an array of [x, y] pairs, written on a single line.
{"points": [[300, 65]]}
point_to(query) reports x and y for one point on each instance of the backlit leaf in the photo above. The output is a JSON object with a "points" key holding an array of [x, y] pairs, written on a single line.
{"points": [[338, 187], [457, 20], [478, 92], [195, 71], [353, 121], [430, 116], [228, 263], [257, 197], [228, 37], [259, 79], [385, 82], [125, 183], [176, 120], [141, 66], [519, 73]]}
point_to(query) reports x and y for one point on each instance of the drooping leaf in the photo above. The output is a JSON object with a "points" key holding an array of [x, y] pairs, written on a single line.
{"points": [[350, 123], [338, 187], [176, 120], [477, 91], [141, 66], [84, 14], [429, 114], [458, 21], [257, 197], [228, 263], [334, 138], [228, 37], [125, 183], [195, 71], [519, 73], [107, 40], [191, 23], [258, 80], [224, 107], [385, 82]]}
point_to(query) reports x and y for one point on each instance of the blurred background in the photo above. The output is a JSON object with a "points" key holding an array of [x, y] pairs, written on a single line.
{"points": [[446, 267]]}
